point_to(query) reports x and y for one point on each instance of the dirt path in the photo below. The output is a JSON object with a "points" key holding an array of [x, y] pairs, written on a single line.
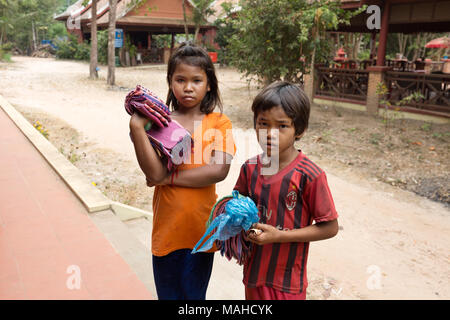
{"points": [[392, 244]]}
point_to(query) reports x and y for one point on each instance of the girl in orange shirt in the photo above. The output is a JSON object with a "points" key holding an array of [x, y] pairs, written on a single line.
{"points": [[182, 202]]}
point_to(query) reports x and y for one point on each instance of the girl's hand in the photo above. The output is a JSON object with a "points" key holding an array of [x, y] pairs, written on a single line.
{"points": [[269, 234], [138, 121]]}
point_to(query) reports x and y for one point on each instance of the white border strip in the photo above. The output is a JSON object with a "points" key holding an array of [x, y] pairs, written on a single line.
{"points": [[91, 197]]}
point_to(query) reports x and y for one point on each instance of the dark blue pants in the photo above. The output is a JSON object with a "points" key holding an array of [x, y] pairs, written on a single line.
{"points": [[181, 275]]}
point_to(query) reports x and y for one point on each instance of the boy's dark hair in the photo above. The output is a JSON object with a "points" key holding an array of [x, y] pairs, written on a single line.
{"points": [[288, 96], [195, 56]]}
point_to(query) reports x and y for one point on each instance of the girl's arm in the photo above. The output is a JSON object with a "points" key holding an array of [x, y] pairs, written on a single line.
{"points": [[201, 176], [147, 157], [319, 231]]}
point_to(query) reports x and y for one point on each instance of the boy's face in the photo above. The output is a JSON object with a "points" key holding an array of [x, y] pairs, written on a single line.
{"points": [[275, 132]]}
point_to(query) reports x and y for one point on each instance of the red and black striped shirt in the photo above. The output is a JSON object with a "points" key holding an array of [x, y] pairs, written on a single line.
{"points": [[291, 199]]}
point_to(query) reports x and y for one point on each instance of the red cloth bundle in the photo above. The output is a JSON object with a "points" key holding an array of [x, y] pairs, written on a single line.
{"points": [[172, 142], [148, 105], [235, 247]]}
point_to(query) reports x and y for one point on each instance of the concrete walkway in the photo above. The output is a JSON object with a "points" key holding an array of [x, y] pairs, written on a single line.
{"points": [[51, 247]]}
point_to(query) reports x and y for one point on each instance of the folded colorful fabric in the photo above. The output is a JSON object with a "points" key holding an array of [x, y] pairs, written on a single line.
{"points": [[174, 142], [148, 105], [230, 217], [171, 140]]}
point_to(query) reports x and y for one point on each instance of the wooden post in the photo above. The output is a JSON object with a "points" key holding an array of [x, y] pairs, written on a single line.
{"points": [[381, 53], [373, 45], [376, 75], [149, 41], [172, 43]]}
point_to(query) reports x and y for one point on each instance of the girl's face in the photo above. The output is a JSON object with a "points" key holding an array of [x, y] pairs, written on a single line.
{"points": [[189, 84]]}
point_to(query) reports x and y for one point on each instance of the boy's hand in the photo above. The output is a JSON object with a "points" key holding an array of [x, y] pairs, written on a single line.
{"points": [[269, 234]]}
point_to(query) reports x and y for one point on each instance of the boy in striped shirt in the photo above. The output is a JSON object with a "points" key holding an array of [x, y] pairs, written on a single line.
{"points": [[290, 192]]}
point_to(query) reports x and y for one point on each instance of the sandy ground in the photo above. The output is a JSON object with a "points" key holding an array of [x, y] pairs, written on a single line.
{"points": [[392, 244]]}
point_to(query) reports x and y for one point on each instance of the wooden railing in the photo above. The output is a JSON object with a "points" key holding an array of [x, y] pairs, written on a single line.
{"points": [[435, 89], [342, 83]]}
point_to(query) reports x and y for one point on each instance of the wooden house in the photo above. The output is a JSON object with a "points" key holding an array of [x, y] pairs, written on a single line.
{"points": [[140, 21]]}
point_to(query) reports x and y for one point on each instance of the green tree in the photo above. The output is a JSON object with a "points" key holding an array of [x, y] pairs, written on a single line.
{"points": [[26, 22], [225, 30], [8, 9], [201, 11], [280, 39]]}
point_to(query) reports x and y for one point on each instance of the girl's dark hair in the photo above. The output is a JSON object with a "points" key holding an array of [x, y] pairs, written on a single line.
{"points": [[195, 56], [288, 96]]}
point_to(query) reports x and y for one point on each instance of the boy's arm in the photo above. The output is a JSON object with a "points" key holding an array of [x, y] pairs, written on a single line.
{"points": [[317, 198], [148, 160], [319, 231]]}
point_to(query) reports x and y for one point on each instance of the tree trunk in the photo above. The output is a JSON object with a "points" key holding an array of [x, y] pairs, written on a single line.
{"points": [[186, 30], [351, 45], [33, 31], [313, 55], [402, 42], [417, 46], [111, 78], [197, 29], [1, 37], [399, 42], [357, 46], [93, 74], [410, 48]]}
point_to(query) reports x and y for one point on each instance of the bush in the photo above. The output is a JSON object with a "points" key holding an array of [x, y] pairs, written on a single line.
{"points": [[83, 51], [4, 56], [5, 51], [56, 31], [71, 49]]}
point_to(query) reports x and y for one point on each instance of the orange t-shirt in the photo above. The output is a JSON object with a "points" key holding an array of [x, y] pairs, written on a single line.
{"points": [[180, 213]]}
